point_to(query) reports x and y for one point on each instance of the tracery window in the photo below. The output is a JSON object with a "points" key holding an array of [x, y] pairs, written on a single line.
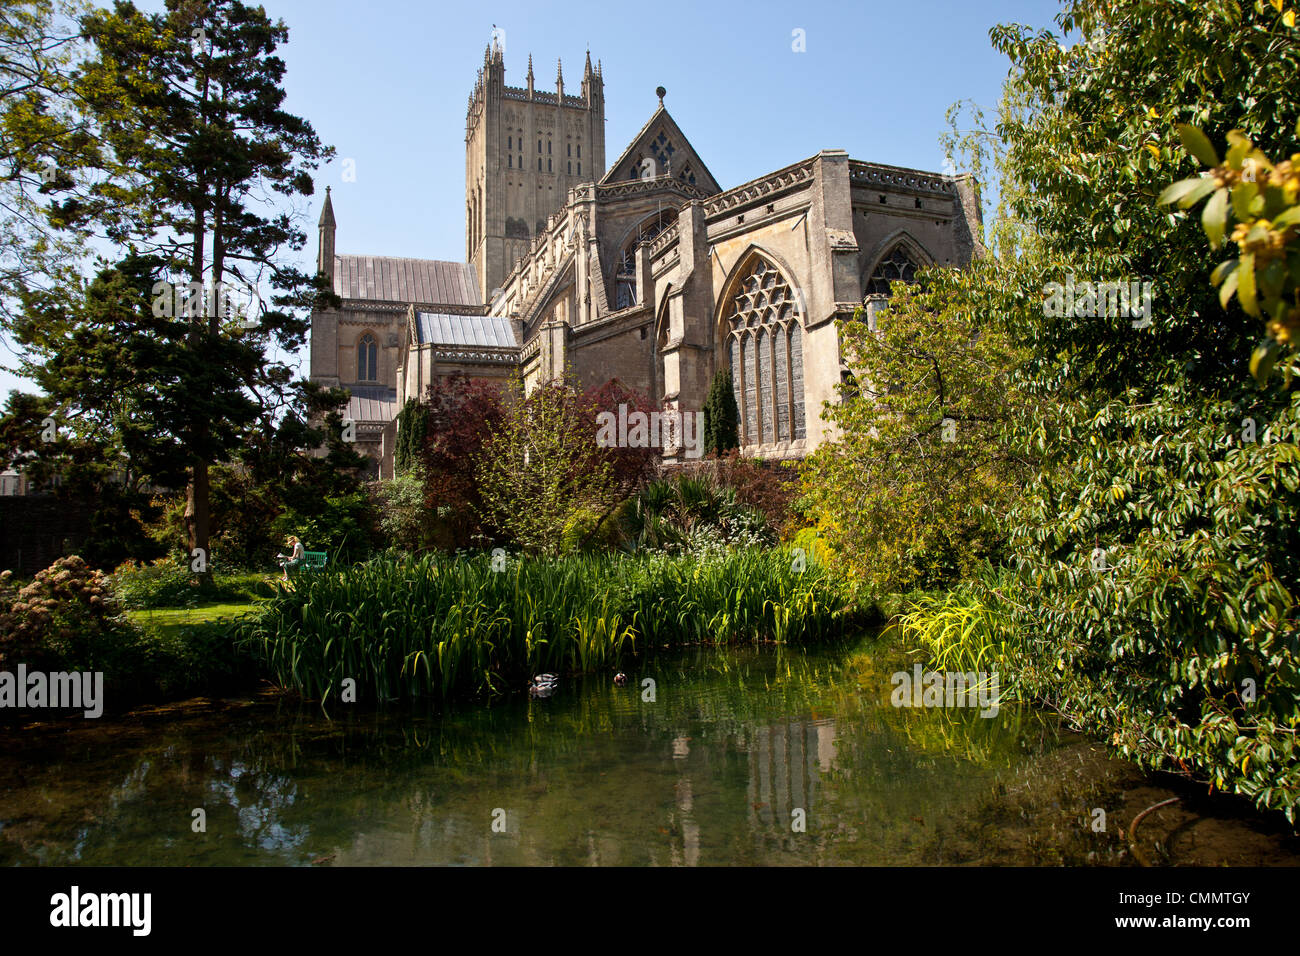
{"points": [[663, 150], [625, 292], [765, 348], [897, 265], [367, 359], [687, 175]]}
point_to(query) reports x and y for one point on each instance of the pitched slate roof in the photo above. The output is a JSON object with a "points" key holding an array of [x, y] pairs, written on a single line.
{"points": [[391, 279], [439, 328], [372, 403]]}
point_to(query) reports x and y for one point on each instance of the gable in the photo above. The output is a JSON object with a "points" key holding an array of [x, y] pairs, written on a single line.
{"points": [[662, 141]]}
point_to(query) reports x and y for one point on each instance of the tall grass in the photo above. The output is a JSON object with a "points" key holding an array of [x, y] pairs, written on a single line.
{"points": [[962, 632], [442, 627]]}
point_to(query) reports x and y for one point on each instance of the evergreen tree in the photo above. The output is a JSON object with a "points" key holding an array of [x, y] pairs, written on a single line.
{"points": [[187, 106], [721, 416], [412, 429]]}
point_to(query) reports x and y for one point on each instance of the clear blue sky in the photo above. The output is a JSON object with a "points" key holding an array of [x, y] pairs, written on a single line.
{"points": [[386, 83]]}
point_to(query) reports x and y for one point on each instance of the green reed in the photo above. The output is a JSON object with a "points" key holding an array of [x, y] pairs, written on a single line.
{"points": [[443, 627], [963, 632]]}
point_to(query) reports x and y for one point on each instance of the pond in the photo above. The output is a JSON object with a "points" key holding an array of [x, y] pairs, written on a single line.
{"points": [[756, 756]]}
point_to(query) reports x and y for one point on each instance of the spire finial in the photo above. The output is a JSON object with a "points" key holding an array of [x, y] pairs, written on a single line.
{"points": [[661, 93], [327, 211]]}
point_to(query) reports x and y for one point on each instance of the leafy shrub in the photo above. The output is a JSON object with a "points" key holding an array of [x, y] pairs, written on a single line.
{"points": [[462, 413], [1154, 547], [404, 520], [168, 583], [908, 493], [66, 618], [590, 529], [769, 487], [813, 545], [691, 514], [347, 528]]}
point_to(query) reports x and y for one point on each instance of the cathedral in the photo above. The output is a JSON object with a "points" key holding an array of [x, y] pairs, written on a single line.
{"points": [[643, 270]]}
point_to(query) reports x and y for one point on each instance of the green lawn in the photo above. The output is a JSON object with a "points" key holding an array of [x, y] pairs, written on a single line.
{"points": [[171, 621]]}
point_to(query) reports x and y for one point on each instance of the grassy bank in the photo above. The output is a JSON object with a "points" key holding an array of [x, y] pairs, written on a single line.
{"points": [[186, 651], [170, 622], [444, 627]]}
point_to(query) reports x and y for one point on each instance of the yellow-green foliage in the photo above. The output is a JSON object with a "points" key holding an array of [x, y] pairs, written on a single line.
{"points": [[962, 632], [903, 496], [1262, 198]]}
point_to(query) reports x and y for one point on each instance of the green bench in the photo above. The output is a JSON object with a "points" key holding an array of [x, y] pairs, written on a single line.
{"points": [[311, 561]]}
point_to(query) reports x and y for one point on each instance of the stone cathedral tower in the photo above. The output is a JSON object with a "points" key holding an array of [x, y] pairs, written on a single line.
{"points": [[524, 149]]}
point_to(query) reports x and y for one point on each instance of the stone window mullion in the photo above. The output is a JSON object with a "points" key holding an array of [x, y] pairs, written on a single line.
{"points": [[769, 368]]}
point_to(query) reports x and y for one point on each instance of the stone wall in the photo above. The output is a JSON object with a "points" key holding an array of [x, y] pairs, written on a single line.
{"points": [[37, 530]]}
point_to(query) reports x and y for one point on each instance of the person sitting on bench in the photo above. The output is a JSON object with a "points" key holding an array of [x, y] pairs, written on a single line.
{"points": [[294, 558]]}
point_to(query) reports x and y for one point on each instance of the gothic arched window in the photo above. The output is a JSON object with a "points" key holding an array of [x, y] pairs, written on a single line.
{"points": [[367, 359], [625, 292], [765, 347], [895, 266]]}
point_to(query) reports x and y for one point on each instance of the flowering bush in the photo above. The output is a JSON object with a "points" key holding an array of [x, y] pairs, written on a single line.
{"points": [[162, 583], [66, 617]]}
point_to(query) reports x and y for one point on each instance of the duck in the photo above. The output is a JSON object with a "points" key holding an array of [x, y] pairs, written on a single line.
{"points": [[620, 679], [543, 685]]}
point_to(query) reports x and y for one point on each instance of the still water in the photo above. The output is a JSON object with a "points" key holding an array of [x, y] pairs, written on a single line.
{"points": [[745, 757]]}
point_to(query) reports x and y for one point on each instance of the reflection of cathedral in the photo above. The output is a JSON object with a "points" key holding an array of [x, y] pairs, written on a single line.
{"points": [[646, 271], [785, 762]]}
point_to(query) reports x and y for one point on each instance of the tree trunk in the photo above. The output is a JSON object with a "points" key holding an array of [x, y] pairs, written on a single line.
{"points": [[198, 523]]}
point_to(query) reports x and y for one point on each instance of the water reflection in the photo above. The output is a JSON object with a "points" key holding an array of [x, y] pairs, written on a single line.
{"points": [[744, 757]]}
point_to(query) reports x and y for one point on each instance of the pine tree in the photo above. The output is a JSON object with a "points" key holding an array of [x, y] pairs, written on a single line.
{"points": [[187, 104], [721, 416]]}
